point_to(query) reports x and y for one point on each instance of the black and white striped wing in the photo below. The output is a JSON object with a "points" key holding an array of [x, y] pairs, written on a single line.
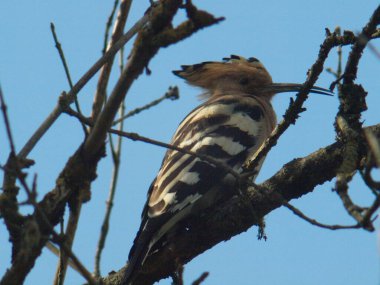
{"points": [[227, 128]]}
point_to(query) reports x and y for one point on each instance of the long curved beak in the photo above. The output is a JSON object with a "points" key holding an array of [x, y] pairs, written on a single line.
{"points": [[294, 87]]}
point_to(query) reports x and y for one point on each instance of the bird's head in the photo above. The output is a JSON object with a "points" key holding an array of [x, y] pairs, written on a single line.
{"points": [[237, 74]]}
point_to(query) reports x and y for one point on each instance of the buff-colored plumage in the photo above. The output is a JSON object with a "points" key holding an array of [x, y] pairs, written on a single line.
{"points": [[235, 74], [233, 122]]}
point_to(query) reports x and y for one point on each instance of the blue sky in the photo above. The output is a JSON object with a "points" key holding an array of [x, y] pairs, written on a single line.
{"points": [[285, 36]]}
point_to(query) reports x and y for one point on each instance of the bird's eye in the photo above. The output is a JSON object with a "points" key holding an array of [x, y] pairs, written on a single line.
{"points": [[253, 59], [244, 81]]}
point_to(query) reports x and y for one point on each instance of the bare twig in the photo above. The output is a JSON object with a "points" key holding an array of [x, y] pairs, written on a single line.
{"points": [[121, 59], [137, 137], [80, 84], [314, 222], [296, 107], [369, 181], [338, 73], [56, 251], [351, 69], [116, 155], [72, 224], [109, 203], [76, 204], [374, 50], [63, 59], [372, 161], [201, 278], [66, 68], [374, 146], [172, 94], [147, 45], [6, 122], [100, 95], [108, 25], [370, 211]]}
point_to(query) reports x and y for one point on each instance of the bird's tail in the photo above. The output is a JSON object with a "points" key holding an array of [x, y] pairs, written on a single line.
{"points": [[137, 255]]}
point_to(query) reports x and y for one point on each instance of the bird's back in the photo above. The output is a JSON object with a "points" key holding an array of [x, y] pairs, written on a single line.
{"points": [[228, 128]]}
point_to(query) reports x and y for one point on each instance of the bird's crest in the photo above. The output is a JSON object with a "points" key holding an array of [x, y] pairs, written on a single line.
{"points": [[238, 75], [233, 74]]}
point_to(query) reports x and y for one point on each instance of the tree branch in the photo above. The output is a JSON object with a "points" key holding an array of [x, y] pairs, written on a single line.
{"points": [[223, 221], [57, 111], [80, 170], [171, 94], [296, 107], [100, 95], [147, 44], [348, 125]]}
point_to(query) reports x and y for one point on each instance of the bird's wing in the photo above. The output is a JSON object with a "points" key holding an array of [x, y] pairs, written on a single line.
{"points": [[227, 128]]}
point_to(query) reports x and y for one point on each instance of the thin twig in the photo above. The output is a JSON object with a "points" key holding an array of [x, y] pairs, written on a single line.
{"points": [[314, 222], [6, 122], [85, 273], [66, 68], [121, 59], [355, 211], [296, 107], [201, 278], [371, 210], [374, 50], [75, 209], [374, 146], [108, 26], [53, 116], [338, 73], [101, 89], [116, 155], [137, 137], [215, 162], [99, 100], [160, 34], [364, 37], [171, 94], [72, 224], [55, 250], [63, 59], [369, 181]]}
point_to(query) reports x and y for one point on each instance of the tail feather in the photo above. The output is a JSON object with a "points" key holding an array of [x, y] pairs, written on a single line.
{"points": [[140, 249], [137, 255]]}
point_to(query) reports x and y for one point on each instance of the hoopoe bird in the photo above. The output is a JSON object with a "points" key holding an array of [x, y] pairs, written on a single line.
{"points": [[233, 122]]}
